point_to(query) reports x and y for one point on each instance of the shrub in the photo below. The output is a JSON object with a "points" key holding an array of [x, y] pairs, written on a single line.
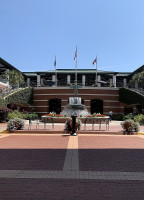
{"points": [[15, 124], [15, 114], [118, 117], [139, 119], [130, 125], [24, 96], [129, 116], [4, 113], [2, 102], [30, 116]]}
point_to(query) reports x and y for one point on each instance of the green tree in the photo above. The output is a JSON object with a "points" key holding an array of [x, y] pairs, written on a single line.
{"points": [[14, 77], [139, 78]]}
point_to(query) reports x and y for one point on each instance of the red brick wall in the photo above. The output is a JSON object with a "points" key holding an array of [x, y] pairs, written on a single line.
{"points": [[110, 97]]}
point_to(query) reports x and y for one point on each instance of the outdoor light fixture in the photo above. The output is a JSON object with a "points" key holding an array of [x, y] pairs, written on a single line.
{"points": [[74, 116]]}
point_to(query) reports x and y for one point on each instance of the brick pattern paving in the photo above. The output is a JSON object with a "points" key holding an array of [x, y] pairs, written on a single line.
{"points": [[71, 160], [51, 189], [71, 167], [123, 160], [72, 174], [14, 141], [111, 142], [33, 152], [111, 153], [32, 159]]}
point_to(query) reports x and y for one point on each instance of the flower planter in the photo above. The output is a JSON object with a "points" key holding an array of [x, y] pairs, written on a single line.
{"points": [[130, 126], [60, 119], [91, 117], [56, 119]]}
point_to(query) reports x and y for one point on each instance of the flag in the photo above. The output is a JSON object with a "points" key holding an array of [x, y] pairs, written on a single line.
{"points": [[95, 61], [75, 54], [55, 62]]}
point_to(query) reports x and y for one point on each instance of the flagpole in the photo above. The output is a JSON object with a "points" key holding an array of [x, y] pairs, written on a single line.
{"points": [[55, 73], [76, 68], [96, 72]]}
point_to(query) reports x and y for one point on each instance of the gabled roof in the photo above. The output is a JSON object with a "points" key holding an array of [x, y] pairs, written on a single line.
{"points": [[140, 69], [5, 65]]}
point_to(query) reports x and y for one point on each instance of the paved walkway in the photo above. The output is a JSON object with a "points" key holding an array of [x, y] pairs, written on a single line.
{"points": [[71, 167], [114, 128]]}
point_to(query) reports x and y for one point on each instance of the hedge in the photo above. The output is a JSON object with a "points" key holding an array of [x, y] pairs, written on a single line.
{"points": [[130, 97], [24, 96], [2, 102]]}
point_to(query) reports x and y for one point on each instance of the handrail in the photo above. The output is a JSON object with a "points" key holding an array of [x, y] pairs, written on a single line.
{"points": [[4, 92], [137, 90]]}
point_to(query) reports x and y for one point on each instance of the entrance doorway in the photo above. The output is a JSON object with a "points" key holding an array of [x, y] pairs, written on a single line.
{"points": [[96, 106], [55, 105]]}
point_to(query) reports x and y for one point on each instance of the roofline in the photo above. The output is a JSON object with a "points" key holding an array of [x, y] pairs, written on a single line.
{"points": [[79, 71], [9, 65], [138, 70]]}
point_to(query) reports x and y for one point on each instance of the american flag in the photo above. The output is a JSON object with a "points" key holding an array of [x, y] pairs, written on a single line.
{"points": [[55, 62], [95, 61], [75, 54]]}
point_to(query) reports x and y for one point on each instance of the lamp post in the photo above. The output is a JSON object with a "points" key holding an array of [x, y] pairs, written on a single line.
{"points": [[74, 116]]}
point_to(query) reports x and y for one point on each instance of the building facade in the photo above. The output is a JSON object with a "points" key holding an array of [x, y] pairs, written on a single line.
{"points": [[99, 90]]}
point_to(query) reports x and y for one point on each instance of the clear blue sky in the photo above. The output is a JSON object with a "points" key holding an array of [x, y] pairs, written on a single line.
{"points": [[34, 31]]}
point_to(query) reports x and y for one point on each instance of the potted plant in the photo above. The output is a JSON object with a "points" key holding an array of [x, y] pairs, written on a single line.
{"points": [[130, 126], [15, 124], [68, 124]]}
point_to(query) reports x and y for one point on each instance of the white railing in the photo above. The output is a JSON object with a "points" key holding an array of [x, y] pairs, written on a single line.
{"points": [[138, 90], [7, 91]]}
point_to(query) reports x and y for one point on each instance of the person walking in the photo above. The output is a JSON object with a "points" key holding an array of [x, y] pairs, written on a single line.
{"points": [[110, 115]]}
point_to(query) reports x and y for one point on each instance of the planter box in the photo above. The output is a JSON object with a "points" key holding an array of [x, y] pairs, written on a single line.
{"points": [[91, 118], [60, 119], [63, 119], [57, 119], [82, 119]]}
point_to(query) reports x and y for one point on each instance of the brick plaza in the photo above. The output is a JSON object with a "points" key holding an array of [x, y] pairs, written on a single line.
{"points": [[41, 166]]}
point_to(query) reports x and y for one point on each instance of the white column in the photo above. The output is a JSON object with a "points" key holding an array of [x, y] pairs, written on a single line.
{"points": [[111, 82], [42, 81], [114, 80], [83, 80], [68, 79], [28, 82], [99, 79], [53, 78], [38, 80], [124, 82]]}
